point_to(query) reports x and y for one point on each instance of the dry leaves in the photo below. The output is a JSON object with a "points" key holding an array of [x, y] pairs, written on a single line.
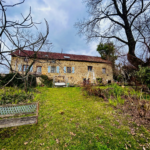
{"points": [[57, 141], [61, 112], [71, 133], [97, 138], [101, 127], [25, 143], [126, 146], [14, 128], [144, 148], [132, 132], [45, 125], [52, 133]]}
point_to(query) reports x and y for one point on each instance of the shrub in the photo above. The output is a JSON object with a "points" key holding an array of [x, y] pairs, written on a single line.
{"points": [[116, 90], [32, 81], [143, 75], [17, 80], [120, 78], [99, 80], [12, 95], [93, 91], [46, 81]]}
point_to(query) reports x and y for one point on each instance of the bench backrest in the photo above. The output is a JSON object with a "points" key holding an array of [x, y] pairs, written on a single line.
{"points": [[18, 109]]}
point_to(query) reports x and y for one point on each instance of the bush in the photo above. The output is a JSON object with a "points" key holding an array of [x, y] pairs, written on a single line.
{"points": [[143, 75], [113, 93], [15, 96], [117, 90], [99, 80], [46, 81], [32, 81], [93, 91], [17, 81]]}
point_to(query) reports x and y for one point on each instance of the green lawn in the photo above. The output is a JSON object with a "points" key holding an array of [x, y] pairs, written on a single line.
{"points": [[69, 120]]}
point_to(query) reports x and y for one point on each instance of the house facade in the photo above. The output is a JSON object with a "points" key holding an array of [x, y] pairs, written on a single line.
{"points": [[73, 68]]}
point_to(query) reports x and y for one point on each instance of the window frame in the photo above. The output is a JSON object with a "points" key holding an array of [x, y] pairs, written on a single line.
{"points": [[54, 69], [25, 67], [67, 69], [90, 68], [37, 69], [103, 70]]}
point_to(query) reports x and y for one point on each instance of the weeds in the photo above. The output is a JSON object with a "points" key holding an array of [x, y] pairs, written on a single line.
{"points": [[117, 95], [115, 102], [14, 96], [93, 91], [113, 93]]}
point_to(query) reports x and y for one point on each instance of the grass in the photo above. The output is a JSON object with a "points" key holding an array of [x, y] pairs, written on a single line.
{"points": [[69, 120]]}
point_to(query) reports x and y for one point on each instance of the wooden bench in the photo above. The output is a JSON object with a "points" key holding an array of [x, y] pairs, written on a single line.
{"points": [[13, 110], [60, 84]]}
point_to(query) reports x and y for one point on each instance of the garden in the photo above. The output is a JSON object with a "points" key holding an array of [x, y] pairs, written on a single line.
{"points": [[107, 118]]}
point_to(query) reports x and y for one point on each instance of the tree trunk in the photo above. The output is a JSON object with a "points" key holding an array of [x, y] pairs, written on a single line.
{"points": [[131, 44], [134, 60]]}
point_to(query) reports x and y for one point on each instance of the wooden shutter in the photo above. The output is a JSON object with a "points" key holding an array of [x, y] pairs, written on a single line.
{"points": [[49, 69], [64, 69], [73, 70], [19, 67], [57, 69]]}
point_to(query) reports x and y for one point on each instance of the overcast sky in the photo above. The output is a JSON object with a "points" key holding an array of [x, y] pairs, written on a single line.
{"points": [[61, 16]]}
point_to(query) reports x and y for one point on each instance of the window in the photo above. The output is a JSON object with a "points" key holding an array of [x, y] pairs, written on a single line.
{"points": [[26, 59], [68, 69], [53, 61], [25, 67], [109, 81], [89, 68], [39, 69], [19, 67], [53, 69], [104, 70], [66, 57]]}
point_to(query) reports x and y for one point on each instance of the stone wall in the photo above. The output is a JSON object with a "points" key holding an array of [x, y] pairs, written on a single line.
{"points": [[80, 69]]}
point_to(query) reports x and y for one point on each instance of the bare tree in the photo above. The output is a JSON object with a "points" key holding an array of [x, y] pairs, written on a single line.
{"points": [[18, 35], [123, 20]]}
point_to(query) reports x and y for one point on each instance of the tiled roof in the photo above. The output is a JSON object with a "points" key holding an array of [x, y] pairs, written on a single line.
{"points": [[59, 56]]}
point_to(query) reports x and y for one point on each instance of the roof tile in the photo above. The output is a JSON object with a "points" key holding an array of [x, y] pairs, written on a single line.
{"points": [[58, 56]]}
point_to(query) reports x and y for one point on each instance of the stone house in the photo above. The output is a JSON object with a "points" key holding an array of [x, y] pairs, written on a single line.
{"points": [[59, 66]]}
